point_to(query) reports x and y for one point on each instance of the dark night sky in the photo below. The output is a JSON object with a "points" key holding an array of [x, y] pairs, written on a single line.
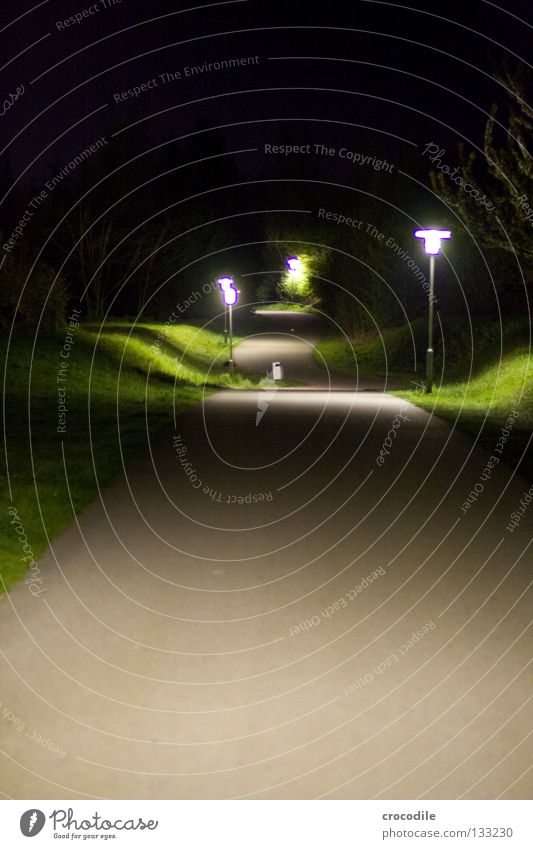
{"points": [[409, 73]]}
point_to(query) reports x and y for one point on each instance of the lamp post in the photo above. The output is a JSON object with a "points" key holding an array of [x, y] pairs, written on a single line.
{"points": [[223, 284], [432, 245], [294, 281], [230, 296]]}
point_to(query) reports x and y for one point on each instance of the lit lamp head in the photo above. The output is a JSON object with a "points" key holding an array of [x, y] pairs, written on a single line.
{"points": [[432, 239], [294, 263], [224, 283], [230, 295]]}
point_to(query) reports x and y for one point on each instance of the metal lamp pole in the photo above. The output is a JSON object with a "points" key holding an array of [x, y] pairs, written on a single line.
{"points": [[432, 244], [230, 295], [230, 308], [429, 353]]}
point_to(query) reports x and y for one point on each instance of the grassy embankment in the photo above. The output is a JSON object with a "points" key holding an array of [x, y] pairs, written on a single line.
{"points": [[484, 375], [283, 306], [112, 399]]}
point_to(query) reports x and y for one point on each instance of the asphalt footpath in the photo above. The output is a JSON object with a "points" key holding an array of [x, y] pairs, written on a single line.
{"points": [[283, 596]]}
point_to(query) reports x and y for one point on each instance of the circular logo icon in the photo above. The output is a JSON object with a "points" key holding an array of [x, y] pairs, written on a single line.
{"points": [[32, 822]]}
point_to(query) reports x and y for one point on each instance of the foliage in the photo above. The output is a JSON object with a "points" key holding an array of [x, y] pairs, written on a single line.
{"points": [[460, 350], [296, 284], [30, 295], [504, 176]]}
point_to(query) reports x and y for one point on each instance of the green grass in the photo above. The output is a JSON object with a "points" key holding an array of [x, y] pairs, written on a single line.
{"points": [[485, 374], [369, 355], [394, 353], [482, 405], [284, 306], [127, 382]]}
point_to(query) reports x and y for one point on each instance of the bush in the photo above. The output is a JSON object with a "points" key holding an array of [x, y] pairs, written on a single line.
{"points": [[28, 298]]}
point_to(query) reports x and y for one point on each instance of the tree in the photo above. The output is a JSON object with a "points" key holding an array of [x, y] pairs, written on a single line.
{"points": [[504, 177], [29, 299]]}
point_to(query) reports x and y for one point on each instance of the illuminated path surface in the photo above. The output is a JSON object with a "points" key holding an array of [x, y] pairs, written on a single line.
{"points": [[292, 342], [199, 644]]}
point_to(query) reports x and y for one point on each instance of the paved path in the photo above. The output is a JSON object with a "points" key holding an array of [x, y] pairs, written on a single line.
{"points": [[291, 341], [288, 620]]}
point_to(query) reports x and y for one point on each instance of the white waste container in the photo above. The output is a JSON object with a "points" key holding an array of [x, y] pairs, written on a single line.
{"points": [[277, 371]]}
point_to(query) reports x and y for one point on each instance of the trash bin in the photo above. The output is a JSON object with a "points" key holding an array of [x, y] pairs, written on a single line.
{"points": [[277, 371]]}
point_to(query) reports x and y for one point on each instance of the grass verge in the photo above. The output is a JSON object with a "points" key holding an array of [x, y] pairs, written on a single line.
{"points": [[486, 405], [283, 306], [117, 386], [485, 375]]}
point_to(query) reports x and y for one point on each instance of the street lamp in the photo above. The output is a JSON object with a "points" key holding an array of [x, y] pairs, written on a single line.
{"points": [[294, 263], [230, 295], [223, 284], [432, 245]]}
